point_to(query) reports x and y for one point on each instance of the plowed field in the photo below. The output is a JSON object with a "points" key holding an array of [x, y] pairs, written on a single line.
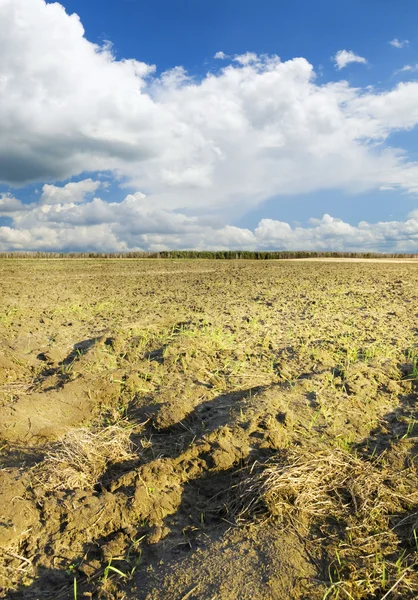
{"points": [[208, 430]]}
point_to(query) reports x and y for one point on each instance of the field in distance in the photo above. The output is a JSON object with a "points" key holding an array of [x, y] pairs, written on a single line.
{"points": [[208, 429]]}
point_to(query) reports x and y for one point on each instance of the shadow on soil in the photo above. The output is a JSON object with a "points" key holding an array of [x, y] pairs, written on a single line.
{"points": [[399, 426], [61, 369], [172, 431], [200, 517], [396, 440], [20, 456]]}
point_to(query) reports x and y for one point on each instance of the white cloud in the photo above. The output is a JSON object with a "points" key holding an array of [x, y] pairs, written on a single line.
{"points": [[174, 78], [243, 59], [10, 204], [253, 130], [345, 57], [71, 192], [134, 224], [247, 59], [329, 233], [66, 104], [398, 43], [407, 69]]}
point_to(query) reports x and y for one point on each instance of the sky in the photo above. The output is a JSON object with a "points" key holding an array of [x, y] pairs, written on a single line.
{"points": [[139, 125]]}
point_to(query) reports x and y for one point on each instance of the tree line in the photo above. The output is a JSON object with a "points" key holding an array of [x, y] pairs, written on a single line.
{"points": [[208, 254]]}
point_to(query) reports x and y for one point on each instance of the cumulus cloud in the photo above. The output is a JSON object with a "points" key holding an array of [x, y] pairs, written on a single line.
{"points": [[71, 192], [256, 128], [9, 204], [66, 105], [134, 224], [345, 57], [398, 43], [221, 55], [217, 145], [248, 58], [330, 233]]}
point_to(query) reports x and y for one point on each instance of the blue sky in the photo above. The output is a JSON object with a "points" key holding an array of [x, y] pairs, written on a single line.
{"points": [[121, 129], [190, 32]]}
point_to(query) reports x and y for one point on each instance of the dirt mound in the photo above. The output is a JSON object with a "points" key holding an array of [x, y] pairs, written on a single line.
{"points": [[59, 394], [174, 497], [260, 563]]}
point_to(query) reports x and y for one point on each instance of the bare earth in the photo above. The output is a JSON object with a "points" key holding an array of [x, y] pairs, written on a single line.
{"points": [[208, 429], [357, 260]]}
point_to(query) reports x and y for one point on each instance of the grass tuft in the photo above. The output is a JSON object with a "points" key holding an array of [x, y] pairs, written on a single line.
{"points": [[350, 508], [329, 483], [82, 455]]}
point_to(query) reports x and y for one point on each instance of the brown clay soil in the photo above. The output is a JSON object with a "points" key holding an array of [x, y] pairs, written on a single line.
{"points": [[208, 430]]}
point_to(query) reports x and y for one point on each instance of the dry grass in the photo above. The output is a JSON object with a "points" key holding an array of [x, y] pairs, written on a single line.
{"points": [[329, 483], [80, 458], [348, 507]]}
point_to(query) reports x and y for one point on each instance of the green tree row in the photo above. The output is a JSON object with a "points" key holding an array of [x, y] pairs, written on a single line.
{"points": [[221, 255]]}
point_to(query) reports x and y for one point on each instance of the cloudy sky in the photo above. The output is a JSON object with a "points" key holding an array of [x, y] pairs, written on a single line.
{"points": [[128, 124]]}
